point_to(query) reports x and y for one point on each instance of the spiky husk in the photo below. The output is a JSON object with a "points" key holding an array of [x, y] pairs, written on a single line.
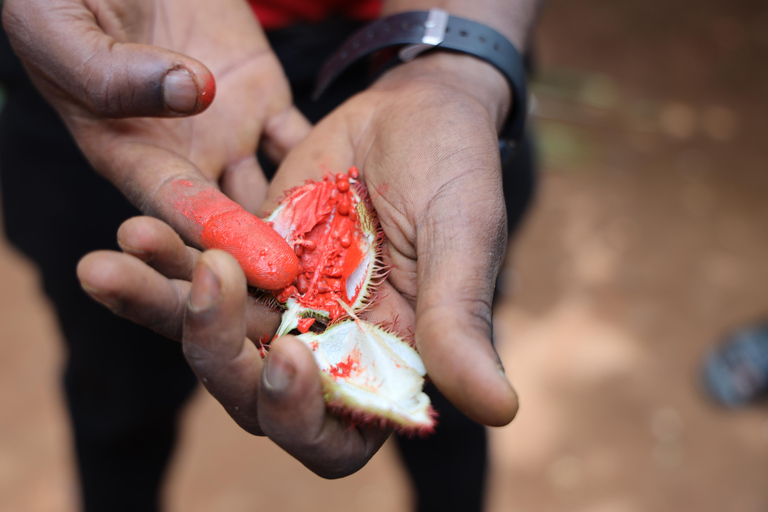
{"points": [[370, 273], [370, 375]]}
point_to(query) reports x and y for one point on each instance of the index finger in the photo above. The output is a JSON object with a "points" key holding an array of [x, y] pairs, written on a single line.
{"points": [[167, 186]]}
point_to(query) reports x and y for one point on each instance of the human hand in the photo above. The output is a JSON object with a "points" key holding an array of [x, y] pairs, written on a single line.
{"points": [[200, 299], [124, 76], [424, 138]]}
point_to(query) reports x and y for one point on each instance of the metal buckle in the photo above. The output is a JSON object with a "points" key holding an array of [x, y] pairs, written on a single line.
{"points": [[434, 34]]}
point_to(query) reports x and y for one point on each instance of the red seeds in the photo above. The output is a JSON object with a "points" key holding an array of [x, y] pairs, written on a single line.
{"points": [[344, 205], [302, 284], [323, 219], [305, 324], [354, 173], [342, 186], [333, 272]]}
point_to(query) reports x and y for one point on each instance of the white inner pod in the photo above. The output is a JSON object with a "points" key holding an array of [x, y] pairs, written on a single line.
{"points": [[370, 369]]}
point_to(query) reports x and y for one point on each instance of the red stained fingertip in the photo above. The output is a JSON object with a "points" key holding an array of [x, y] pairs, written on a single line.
{"points": [[266, 258], [207, 91]]}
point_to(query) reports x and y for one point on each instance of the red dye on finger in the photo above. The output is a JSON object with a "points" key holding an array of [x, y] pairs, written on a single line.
{"points": [[206, 91], [267, 260]]}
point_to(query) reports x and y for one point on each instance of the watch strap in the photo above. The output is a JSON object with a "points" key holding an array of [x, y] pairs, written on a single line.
{"points": [[417, 31]]}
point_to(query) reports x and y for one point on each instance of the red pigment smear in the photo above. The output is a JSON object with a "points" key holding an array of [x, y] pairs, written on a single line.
{"points": [[344, 369], [327, 238], [267, 260]]}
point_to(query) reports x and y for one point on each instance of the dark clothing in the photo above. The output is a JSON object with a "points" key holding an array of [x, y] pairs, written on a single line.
{"points": [[124, 384]]}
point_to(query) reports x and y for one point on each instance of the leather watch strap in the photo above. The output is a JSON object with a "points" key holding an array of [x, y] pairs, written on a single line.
{"points": [[418, 31]]}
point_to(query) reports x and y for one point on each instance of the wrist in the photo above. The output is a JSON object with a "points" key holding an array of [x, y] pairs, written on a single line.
{"points": [[462, 73]]}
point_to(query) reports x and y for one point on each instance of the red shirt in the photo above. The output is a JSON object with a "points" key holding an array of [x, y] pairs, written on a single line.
{"points": [[274, 14]]}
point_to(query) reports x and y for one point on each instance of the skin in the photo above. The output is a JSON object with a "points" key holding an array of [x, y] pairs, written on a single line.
{"points": [[444, 295], [424, 137], [200, 299], [102, 64]]}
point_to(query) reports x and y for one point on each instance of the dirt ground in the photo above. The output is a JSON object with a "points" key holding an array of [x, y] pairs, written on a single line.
{"points": [[648, 242]]}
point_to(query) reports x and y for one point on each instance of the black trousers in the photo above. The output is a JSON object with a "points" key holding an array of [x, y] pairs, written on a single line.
{"points": [[124, 384]]}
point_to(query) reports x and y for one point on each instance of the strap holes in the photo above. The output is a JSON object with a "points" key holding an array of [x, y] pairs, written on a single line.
{"points": [[481, 39], [447, 29], [497, 47], [355, 44], [405, 25], [387, 27], [370, 34], [463, 33], [343, 55]]}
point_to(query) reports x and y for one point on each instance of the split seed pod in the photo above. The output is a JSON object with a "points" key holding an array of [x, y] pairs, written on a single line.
{"points": [[370, 375]]}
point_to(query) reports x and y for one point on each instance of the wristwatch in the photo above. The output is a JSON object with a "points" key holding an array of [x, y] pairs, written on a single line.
{"points": [[413, 33]]}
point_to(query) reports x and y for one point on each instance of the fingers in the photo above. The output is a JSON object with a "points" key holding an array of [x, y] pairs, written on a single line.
{"points": [[461, 243], [155, 243], [325, 149], [68, 54], [292, 413], [285, 400], [245, 184], [165, 186], [282, 132], [134, 291], [214, 340]]}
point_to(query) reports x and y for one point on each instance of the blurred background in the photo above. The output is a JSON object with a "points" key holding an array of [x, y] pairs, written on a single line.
{"points": [[648, 242]]}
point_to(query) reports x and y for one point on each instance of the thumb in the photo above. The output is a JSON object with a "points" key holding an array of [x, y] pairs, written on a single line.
{"points": [[77, 65], [460, 252]]}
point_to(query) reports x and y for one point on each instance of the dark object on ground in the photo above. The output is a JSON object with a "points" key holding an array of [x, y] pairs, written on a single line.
{"points": [[736, 371]]}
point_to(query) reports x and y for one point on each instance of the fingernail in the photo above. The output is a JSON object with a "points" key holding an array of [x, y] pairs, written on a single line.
{"points": [[102, 297], [279, 373], [143, 254], [206, 289], [180, 91]]}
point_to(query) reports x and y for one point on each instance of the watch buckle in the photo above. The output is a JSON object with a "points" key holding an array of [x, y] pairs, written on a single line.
{"points": [[434, 34]]}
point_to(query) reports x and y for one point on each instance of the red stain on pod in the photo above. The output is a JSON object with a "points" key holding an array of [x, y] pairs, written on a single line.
{"points": [[267, 260], [346, 369], [305, 324], [336, 252]]}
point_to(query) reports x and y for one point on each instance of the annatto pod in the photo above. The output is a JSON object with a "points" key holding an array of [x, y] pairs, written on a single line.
{"points": [[370, 375]]}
